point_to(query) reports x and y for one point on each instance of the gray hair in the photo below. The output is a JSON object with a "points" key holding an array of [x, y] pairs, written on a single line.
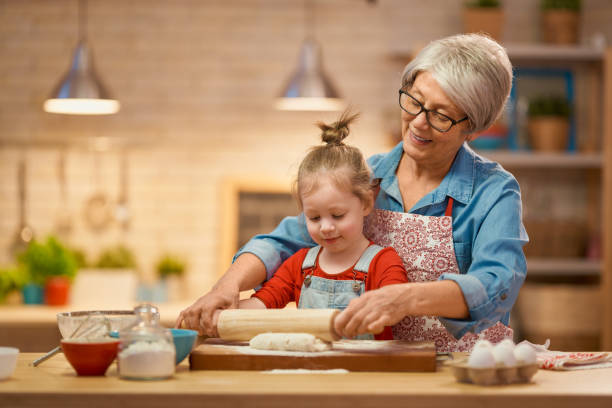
{"points": [[473, 70]]}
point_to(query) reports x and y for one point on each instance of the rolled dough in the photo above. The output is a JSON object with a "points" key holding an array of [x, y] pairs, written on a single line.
{"points": [[289, 342]]}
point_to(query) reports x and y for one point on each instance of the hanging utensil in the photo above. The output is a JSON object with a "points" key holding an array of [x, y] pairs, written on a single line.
{"points": [[63, 224], [97, 211], [122, 211], [24, 233]]}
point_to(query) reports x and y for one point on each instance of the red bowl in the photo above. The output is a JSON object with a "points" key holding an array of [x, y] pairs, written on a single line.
{"points": [[90, 357]]}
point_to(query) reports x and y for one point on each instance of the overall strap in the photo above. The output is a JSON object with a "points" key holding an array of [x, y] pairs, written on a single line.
{"points": [[449, 207], [311, 257], [363, 264]]}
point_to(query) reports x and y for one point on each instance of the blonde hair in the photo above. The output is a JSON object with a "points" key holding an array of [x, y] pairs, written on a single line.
{"points": [[344, 164]]}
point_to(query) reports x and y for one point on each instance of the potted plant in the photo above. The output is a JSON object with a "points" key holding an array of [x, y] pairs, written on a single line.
{"points": [[117, 257], [170, 269], [484, 16], [12, 280], [560, 21], [110, 281], [49, 264], [548, 123]]}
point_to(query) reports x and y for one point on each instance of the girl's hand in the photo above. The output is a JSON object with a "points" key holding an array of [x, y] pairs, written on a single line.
{"points": [[373, 310]]}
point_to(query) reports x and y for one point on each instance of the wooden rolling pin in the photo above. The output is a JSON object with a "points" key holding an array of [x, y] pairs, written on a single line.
{"points": [[244, 324]]}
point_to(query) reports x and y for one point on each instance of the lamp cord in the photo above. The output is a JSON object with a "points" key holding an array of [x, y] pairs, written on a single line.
{"points": [[82, 10], [309, 19]]}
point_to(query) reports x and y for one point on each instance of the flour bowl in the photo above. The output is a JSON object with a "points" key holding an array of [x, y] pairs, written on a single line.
{"points": [[8, 361], [90, 357], [183, 339]]}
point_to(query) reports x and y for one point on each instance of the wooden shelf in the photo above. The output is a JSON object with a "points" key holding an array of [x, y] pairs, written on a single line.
{"points": [[517, 159], [562, 267], [542, 52], [532, 52]]}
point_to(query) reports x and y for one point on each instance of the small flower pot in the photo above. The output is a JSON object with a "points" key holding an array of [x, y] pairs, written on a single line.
{"points": [[560, 26], [57, 290], [548, 133], [484, 20], [33, 294]]}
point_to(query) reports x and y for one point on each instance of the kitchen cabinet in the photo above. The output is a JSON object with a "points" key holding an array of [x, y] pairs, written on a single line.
{"points": [[588, 167]]}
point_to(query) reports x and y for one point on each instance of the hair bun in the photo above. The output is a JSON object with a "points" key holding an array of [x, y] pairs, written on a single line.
{"points": [[335, 133]]}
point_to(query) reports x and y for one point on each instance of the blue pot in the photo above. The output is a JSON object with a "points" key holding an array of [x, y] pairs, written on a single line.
{"points": [[33, 294]]}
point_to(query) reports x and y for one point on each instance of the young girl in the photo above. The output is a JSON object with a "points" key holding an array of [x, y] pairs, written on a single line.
{"points": [[334, 191]]}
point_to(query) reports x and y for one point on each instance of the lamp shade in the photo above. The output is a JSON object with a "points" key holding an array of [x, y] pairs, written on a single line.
{"points": [[80, 91], [309, 88]]}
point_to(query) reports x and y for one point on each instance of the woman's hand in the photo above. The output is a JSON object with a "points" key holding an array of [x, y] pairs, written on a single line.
{"points": [[373, 310], [202, 315]]}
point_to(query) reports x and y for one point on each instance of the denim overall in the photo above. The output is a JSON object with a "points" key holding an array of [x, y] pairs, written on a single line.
{"points": [[321, 293]]}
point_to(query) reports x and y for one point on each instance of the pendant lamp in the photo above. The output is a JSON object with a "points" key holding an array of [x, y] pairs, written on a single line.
{"points": [[80, 91], [309, 88]]}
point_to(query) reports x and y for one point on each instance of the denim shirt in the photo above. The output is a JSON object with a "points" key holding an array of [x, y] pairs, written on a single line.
{"points": [[488, 233]]}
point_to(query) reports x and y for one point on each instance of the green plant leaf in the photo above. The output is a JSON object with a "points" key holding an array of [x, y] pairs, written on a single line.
{"points": [[169, 265], [117, 257], [42, 260]]}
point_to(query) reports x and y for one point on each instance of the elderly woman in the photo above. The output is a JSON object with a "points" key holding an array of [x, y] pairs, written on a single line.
{"points": [[453, 216]]}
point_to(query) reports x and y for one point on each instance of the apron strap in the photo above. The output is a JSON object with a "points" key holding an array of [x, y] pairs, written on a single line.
{"points": [[311, 257], [449, 207], [363, 264]]}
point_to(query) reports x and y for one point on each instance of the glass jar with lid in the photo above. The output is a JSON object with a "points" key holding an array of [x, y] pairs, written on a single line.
{"points": [[147, 350]]}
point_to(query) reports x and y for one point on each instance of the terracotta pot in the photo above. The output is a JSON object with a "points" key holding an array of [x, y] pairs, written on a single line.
{"points": [[484, 20], [548, 133], [560, 26], [57, 290]]}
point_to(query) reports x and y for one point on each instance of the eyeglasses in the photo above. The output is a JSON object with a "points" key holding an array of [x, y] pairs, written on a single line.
{"points": [[436, 120]]}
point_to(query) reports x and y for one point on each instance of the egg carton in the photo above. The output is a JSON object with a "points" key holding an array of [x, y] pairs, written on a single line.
{"points": [[500, 375]]}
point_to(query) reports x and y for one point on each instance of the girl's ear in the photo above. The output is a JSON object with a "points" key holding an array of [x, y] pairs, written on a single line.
{"points": [[368, 205]]}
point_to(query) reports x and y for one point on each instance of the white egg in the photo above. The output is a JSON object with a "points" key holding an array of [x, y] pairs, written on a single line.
{"points": [[503, 353], [506, 342], [524, 354], [483, 343], [482, 356]]}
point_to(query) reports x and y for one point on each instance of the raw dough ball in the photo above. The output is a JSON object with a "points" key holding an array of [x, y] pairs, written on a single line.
{"points": [[288, 342]]}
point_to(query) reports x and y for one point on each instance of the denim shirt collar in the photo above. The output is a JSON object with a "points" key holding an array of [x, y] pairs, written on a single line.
{"points": [[458, 182]]}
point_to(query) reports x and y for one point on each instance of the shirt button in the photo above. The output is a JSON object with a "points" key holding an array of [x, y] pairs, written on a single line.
{"points": [[503, 296]]}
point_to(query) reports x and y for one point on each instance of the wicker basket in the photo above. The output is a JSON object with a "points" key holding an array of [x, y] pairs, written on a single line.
{"points": [[556, 238], [569, 315]]}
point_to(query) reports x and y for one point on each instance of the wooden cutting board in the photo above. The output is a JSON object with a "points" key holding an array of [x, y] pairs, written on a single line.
{"points": [[352, 355]]}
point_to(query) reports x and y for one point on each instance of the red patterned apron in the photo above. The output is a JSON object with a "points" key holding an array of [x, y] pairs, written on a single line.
{"points": [[425, 244]]}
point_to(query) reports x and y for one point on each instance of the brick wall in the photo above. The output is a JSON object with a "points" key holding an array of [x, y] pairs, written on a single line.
{"points": [[197, 81]]}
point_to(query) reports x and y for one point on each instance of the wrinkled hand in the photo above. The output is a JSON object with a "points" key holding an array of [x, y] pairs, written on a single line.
{"points": [[372, 311], [203, 314]]}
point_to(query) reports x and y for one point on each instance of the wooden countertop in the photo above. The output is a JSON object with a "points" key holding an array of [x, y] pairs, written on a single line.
{"points": [[55, 384], [42, 314]]}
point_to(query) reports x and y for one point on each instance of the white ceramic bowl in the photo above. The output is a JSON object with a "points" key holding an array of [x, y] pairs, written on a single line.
{"points": [[8, 360]]}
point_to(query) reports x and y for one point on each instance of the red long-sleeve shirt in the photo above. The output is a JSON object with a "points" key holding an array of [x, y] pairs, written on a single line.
{"points": [[285, 286]]}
